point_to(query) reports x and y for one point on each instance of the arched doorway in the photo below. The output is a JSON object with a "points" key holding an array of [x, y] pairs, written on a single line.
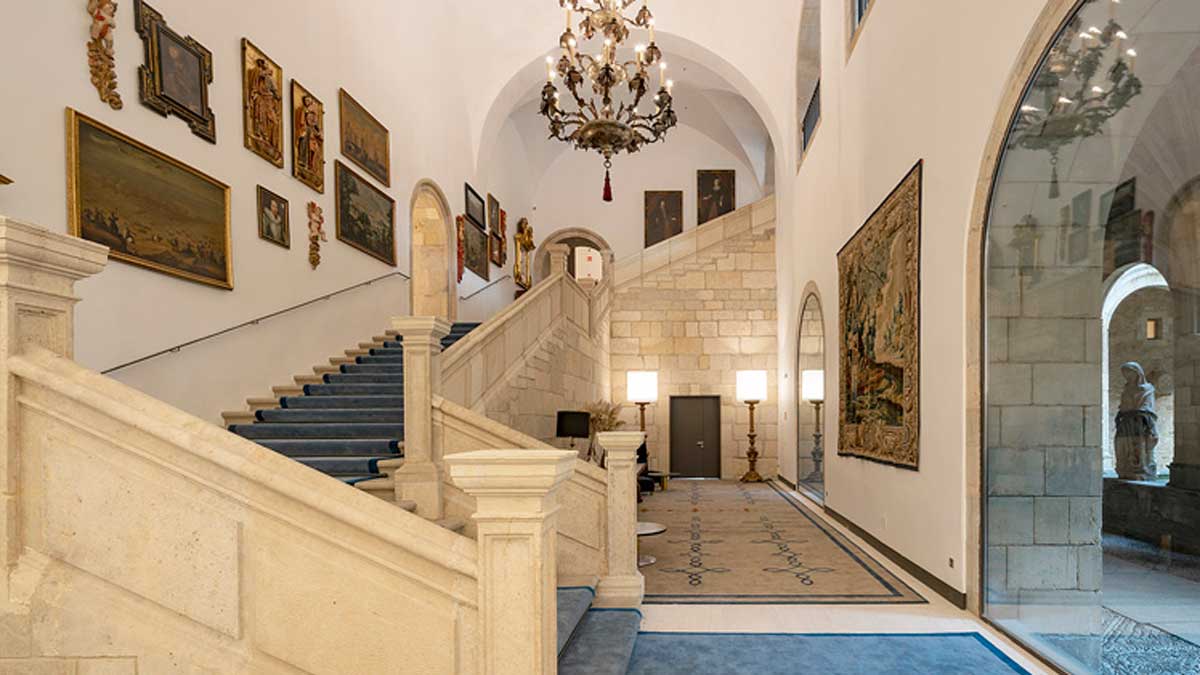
{"points": [[1085, 194], [432, 254], [573, 237], [810, 396]]}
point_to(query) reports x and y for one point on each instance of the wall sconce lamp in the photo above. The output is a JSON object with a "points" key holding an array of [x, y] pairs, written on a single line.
{"points": [[752, 390], [642, 389]]}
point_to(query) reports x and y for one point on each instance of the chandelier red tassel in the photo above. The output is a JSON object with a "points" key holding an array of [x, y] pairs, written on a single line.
{"points": [[607, 183]]}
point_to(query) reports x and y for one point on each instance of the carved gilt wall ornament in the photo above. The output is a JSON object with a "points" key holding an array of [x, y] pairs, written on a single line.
{"points": [[523, 254], [316, 233], [5, 180], [176, 75], [308, 138], [879, 311], [262, 104], [100, 51]]}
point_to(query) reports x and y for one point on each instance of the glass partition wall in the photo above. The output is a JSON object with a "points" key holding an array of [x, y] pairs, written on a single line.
{"points": [[810, 399], [1092, 468]]}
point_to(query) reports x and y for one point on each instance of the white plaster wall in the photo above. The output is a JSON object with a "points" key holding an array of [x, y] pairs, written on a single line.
{"points": [[924, 81], [128, 312], [569, 195]]}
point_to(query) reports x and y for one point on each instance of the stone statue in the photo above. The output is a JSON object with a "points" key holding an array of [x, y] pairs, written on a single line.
{"points": [[1137, 433]]}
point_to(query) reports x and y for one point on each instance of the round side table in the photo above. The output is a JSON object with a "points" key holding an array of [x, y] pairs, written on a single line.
{"points": [[648, 530]]}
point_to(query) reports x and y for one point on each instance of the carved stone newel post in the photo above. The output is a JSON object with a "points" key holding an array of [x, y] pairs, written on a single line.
{"points": [[418, 478], [516, 498], [558, 257], [38, 271], [622, 585]]}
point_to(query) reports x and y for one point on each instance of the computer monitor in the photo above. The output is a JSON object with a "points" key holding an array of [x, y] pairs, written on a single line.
{"points": [[573, 424]]}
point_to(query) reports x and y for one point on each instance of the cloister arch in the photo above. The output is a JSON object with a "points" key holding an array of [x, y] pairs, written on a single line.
{"points": [[572, 236], [433, 254]]}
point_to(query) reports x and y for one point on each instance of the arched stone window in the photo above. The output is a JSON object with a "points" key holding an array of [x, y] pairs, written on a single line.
{"points": [[1091, 468]]}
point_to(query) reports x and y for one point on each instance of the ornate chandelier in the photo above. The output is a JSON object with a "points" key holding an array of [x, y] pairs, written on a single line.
{"points": [[1080, 89], [596, 121]]}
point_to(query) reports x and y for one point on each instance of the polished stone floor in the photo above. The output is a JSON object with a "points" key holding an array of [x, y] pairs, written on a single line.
{"points": [[1153, 587]]}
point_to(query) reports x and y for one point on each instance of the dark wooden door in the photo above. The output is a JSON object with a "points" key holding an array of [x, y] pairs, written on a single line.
{"points": [[696, 436]]}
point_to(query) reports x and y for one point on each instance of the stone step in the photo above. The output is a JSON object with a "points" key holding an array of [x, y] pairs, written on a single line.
{"points": [[326, 430]]}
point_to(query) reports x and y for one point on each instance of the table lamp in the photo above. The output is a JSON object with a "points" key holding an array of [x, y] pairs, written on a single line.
{"points": [[642, 388], [812, 389]]}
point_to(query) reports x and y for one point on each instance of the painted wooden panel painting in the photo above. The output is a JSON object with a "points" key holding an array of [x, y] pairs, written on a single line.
{"points": [[262, 104], [149, 209], [879, 311]]}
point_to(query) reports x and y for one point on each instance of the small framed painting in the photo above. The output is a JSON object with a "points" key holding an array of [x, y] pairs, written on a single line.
{"points": [[273, 222], [493, 213], [366, 216], [175, 77], [715, 194], [262, 104], [475, 211], [475, 251], [1124, 199], [308, 138], [664, 215], [364, 139]]}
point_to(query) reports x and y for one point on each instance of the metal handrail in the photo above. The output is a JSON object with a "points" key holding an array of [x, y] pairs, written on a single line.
{"points": [[255, 321], [477, 292]]}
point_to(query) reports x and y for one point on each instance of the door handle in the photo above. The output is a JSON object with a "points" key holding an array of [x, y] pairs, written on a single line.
{"points": [[699, 444]]}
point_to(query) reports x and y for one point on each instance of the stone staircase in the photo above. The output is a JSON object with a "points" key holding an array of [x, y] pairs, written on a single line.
{"points": [[345, 419], [592, 640]]}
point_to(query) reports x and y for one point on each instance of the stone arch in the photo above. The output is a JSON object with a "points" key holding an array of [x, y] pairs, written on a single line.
{"points": [[808, 67], [572, 236], [810, 355], [433, 254]]}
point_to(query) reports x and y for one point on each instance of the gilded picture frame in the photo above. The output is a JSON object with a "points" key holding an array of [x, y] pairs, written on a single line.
{"points": [[308, 138], [274, 219], [262, 104], [150, 209], [476, 212], [879, 313], [178, 70], [365, 141], [366, 215]]}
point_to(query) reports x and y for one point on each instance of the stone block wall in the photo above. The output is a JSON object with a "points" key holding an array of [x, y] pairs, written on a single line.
{"points": [[1044, 459], [697, 309]]}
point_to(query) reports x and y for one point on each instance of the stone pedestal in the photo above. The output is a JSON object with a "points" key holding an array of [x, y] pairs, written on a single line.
{"points": [[38, 271], [516, 501], [558, 258], [418, 478], [622, 585]]}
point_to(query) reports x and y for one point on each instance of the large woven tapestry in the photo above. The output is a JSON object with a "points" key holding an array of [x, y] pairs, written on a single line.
{"points": [[879, 311]]}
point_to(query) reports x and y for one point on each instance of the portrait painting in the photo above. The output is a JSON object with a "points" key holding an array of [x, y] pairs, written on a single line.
{"points": [[262, 104], [879, 311], [664, 215], [715, 194], [364, 139], [475, 251], [150, 210], [475, 208], [176, 73], [273, 223], [366, 217], [308, 138]]}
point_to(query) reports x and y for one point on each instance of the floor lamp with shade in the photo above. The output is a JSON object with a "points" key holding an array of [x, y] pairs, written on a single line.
{"points": [[812, 389], [752, 390], [642, 389]]}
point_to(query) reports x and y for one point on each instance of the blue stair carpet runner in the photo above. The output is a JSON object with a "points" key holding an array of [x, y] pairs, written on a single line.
{"points": [[594, 641], [348, 423]]}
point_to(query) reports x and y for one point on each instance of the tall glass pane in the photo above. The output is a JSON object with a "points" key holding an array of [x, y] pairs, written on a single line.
{"points": [[1092, 508], [810, 399]]}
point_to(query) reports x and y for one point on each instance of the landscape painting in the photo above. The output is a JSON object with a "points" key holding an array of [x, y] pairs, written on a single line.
{"points": [[664, 215], [364, 139], [366, 217], [475, 251], [879, 312], [715, 194], [149, 209]]}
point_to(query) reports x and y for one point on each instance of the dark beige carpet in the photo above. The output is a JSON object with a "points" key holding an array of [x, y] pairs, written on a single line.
{"points": [[735, 543]]}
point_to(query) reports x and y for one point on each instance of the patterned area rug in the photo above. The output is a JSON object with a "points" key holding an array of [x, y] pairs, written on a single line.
{"points": [[749, 543], [829, 654]]}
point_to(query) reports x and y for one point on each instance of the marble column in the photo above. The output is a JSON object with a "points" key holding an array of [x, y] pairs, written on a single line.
{"points": [[622, 584], [418, 478], [38, 271], [558, 258], [516, 501]]}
